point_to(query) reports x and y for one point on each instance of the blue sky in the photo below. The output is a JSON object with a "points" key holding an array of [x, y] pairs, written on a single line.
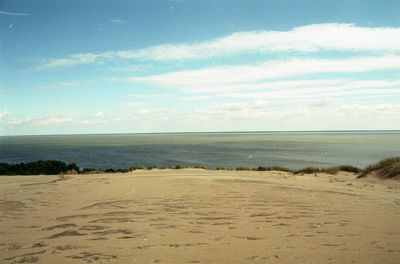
{"points": [[165, 66]]}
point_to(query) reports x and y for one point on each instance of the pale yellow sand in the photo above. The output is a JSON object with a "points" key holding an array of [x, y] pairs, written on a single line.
{"points": [[198, 216]]}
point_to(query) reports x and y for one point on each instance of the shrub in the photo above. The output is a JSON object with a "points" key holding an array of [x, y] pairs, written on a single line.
{"points": [[136, 168], [47, 167], [273, 168], [89, 170], [349, 168], [308, 170], [330, 170], [243, 169], [385, 169]]}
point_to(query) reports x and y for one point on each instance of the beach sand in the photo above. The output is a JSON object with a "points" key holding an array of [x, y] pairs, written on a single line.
{"points": [[199, 216]]}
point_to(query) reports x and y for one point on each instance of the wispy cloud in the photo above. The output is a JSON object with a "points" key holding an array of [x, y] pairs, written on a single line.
{"points": [[117, 21], [251, 77], [357, 109], [256, 110], [40, 121], [65, 85], [134, 103], [13, 13], [311, 38], [306, 90], [75, 59], [99, 114], [128, 68], [3, 115], [52, 86]]}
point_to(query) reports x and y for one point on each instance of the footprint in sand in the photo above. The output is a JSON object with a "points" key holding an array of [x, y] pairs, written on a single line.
{"points": [[27, 258], [11, 206], [252, 258], [39, 245], [251, 238], [66, 233], [92, 227], [12, 246], [89, 257], [59, 226], [58, 249], [113, 231]]}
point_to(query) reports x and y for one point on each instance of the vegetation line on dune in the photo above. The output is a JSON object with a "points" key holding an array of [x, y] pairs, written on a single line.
{"points": [[387, 168]]}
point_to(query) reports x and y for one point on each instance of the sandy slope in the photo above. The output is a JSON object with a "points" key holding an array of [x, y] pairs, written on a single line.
{"points": [[198, 216]]}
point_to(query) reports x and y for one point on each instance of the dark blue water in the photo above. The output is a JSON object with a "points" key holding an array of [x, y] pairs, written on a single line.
{"points": [[288, 149]]}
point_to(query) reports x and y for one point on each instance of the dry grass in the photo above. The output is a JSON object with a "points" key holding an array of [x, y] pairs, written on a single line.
{"points": [[385, 169]]}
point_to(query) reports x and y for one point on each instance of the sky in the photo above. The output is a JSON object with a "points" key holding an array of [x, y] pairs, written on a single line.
{"points": [[98, 66]]}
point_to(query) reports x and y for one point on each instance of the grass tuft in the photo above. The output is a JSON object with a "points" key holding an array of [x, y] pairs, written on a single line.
{"points": [[385, 169]]}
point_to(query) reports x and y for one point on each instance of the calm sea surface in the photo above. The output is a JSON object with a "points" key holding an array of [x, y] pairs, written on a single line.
{"points": [[288, 149]]}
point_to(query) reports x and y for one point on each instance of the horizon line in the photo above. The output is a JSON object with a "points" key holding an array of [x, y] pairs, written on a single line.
{"points": [[212, 132]]}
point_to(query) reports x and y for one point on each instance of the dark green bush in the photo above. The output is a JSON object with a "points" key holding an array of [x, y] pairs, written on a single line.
{"points": [[308, 170], [243, 169], [349, 168], [89, 170], [137, 167], [47, 167], [273, 168]]}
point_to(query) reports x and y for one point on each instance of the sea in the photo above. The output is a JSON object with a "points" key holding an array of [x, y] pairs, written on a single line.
{"points": [[292, 150]]}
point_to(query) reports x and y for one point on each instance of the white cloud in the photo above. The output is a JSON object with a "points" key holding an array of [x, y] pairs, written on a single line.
{"points": [[117, 21], [312, 93], [135, 103], [265, 111], [147, 111], [3, 115], [141, 95], [310, 38], [252, 81], [250, 115], [257, 109], [128, 68], [149, 95], [64, 85], [207, 78], [99, 114], [286, 88], [357, 109], [75, 59], [39, 121], [56, 85], [13, 13], [52, 120], [90, 122]]}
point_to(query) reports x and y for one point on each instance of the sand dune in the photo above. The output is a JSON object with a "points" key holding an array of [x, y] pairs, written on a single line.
{"points": [[199, 216]]}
